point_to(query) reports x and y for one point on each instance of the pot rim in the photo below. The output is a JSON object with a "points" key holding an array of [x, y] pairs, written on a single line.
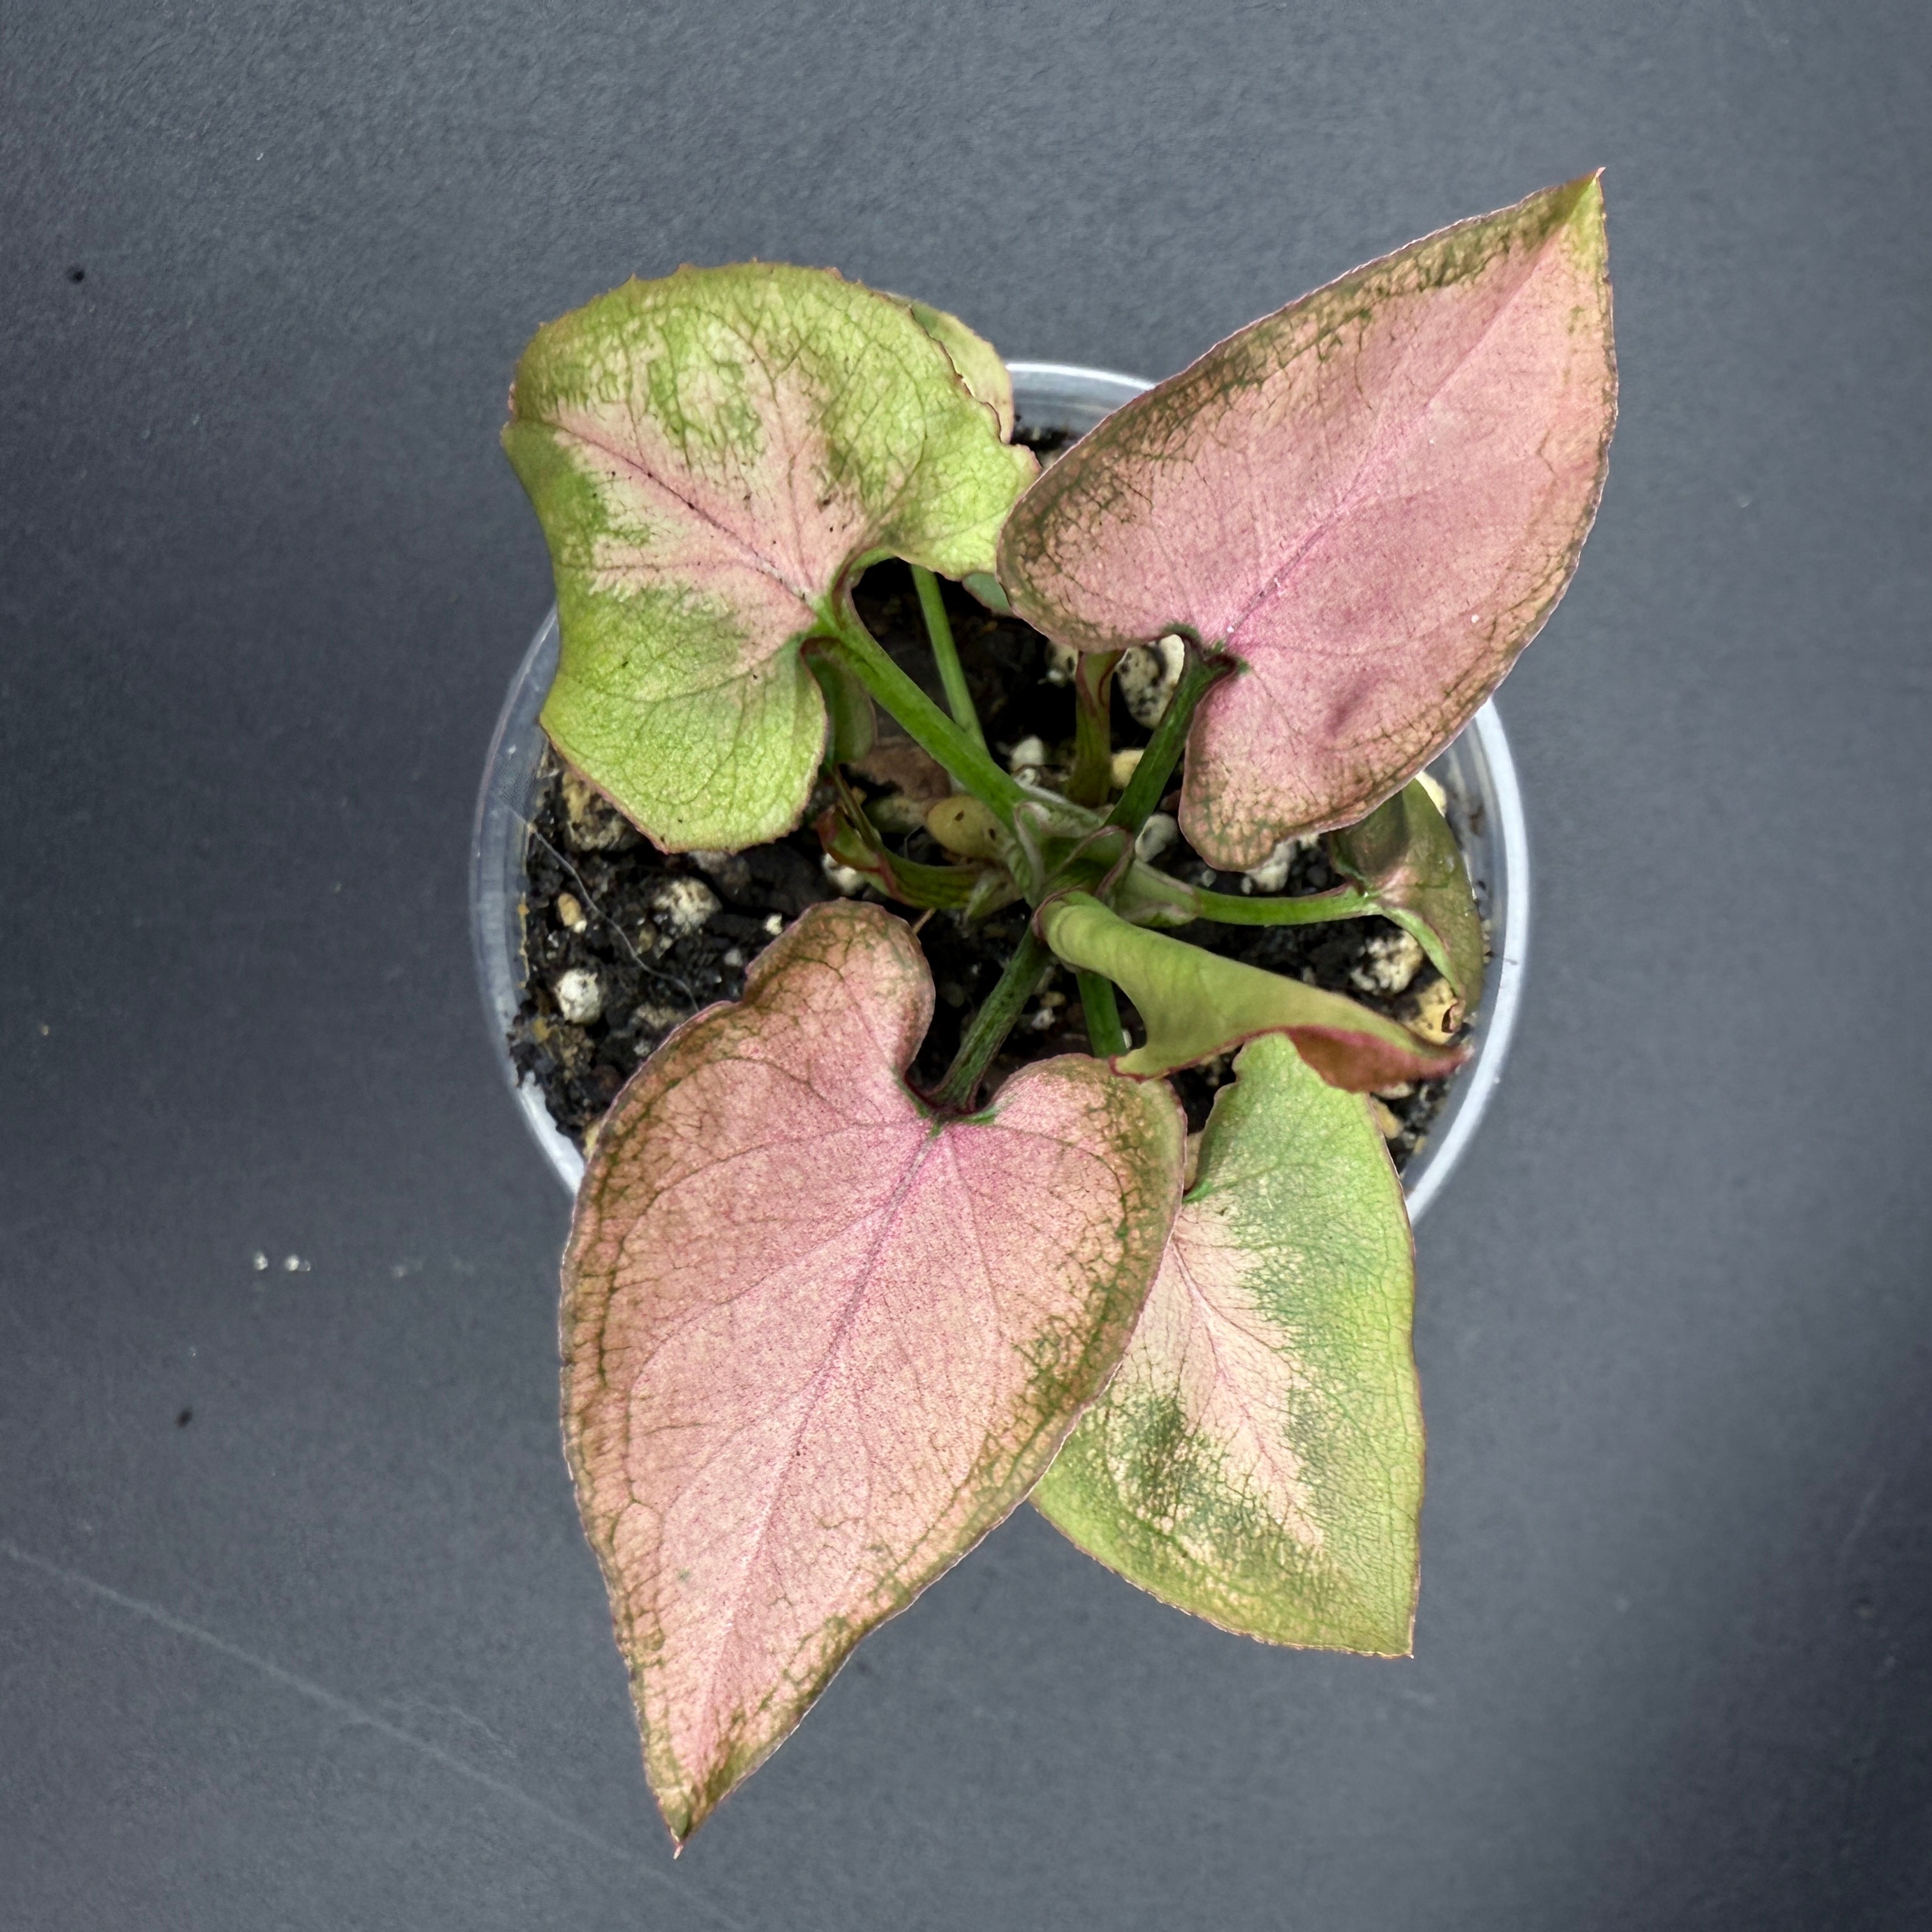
{"points": [[496, 846]]}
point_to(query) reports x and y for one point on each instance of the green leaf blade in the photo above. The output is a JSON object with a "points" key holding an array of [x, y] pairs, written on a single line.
{"points": [[1258, 1458], [978, 363], [713, 457]]}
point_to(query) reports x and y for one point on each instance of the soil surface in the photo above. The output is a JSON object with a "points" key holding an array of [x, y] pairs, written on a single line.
{"points": [[621, 942]]}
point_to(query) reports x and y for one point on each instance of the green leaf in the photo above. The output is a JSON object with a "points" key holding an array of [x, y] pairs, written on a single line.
{"points": [[1197, 1004], [714, 457], [984, 373], [985, 586], [1404, 853], [1257, 1458], [976, 359], [1373, 498]]}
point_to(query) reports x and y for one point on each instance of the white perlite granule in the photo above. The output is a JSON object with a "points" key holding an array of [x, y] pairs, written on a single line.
{"points": [[683, 904], [580, 998]]}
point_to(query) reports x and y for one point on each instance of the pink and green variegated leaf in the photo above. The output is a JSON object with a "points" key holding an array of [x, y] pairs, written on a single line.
{"points": [[1258, 1458], [818, 1341], [1196, 1005], [713, 456], [1371, 499], [1404, 853]]}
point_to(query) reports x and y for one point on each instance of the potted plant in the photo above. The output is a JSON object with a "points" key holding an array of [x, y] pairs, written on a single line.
{"points": [[831, 1309]]}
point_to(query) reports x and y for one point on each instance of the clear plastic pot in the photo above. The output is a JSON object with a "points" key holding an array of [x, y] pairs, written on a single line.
{"points": [[1476, 772]]}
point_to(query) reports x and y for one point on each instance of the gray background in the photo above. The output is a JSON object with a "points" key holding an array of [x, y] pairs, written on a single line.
{"points": [[333, 1654]]}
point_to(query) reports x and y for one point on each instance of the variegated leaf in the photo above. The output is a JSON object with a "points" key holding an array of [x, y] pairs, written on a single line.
{"points": [[975, 358], [1372, 500], [819, 1340], [713, 457], [1258, 1457]]}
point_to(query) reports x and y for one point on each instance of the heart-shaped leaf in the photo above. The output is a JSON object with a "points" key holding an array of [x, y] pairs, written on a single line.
{"points": [[1372, 500], [1258, 1458], [819, 1341], [1404, 853], [714, 456], [1196, 1004]]}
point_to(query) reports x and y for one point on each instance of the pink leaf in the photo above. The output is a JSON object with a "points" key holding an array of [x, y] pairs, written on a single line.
{"points": [[1372, 500], [819, 1341]]}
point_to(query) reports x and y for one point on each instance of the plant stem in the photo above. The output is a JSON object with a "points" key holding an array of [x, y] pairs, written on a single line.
{"points": [[1105, 1034], [1148, 785], [992, 1023], [939, 629], [1308, 909], [1093, 727], [965, 756], [852, 843]]}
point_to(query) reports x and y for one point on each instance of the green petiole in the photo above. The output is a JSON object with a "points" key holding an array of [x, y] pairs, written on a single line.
{"points": [[1093, 727], [939, 630], [905, 880], [1148, 785], [992, 1023], [1307, 909], [1105, 1034], [963, 754]]}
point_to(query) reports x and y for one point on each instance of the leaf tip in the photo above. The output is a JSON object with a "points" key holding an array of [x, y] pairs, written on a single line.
{"points": [[682, 1814], [1577, 215]]}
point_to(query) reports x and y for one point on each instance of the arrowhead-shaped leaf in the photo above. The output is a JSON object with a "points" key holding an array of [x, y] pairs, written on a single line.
{"points": [[818, 1342], [1404, 853], [1196, 1004], [1373, 498], [713, 456], [1258, 1458]]}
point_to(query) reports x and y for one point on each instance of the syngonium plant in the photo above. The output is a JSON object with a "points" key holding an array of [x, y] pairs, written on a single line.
{"points": [[823, 1330]]}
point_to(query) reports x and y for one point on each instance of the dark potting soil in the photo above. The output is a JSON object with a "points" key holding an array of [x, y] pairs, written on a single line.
{"points": [[621, 942]]}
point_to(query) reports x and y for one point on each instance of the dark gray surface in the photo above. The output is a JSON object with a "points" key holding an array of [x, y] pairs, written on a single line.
{"points": [[332, 1655]]}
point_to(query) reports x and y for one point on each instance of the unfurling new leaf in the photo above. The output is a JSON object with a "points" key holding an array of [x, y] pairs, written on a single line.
{"points": [[1404, 854], [1372, 499], [819, 1340], [1257, 1458], [1197, 1004]]}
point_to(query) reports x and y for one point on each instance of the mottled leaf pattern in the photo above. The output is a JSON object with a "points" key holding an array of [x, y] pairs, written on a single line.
{"points": [[712, 455], [1372, 500], [1404, 853], [975, 358], [817, 1342], [1258, 1458], [1197, 1004]]}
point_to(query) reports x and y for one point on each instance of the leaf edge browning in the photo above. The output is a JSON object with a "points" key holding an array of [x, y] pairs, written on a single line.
{"points": [[685, 1802], [1042, 500]]}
